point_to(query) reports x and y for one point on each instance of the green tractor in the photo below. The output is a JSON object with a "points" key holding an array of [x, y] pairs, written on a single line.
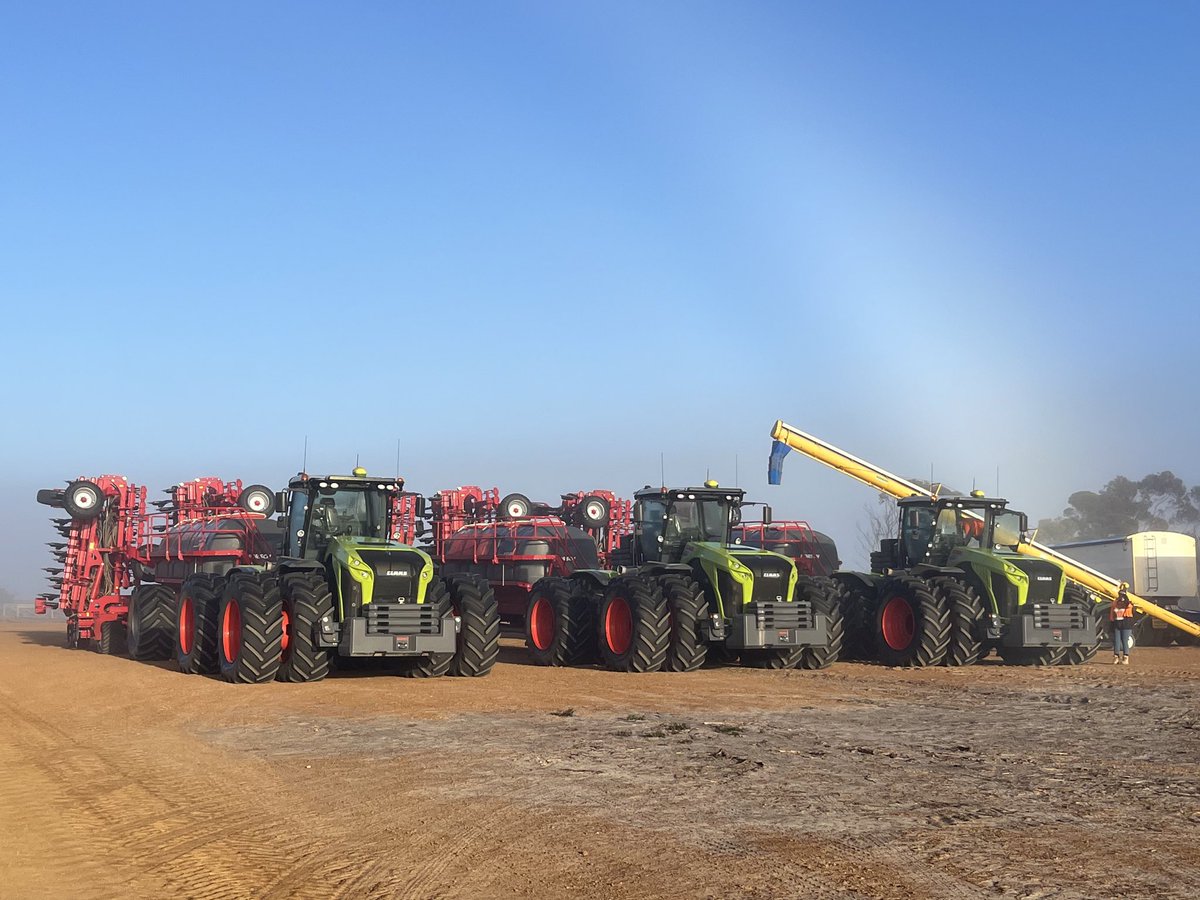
{"points": [[952, 587], [343, 588], [686, 593]]}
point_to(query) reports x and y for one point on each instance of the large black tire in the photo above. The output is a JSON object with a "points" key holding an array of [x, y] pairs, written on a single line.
{"points": [[305, 600], [772, 658], [250, 629], [911, 625], [560, 623], [151, 623], [257, 498], [1077, 653], [823, 594], [434, 665], [83, 500], [196, 624], [479, 635], [965, 611], [687, 607], [112, 640], [1031, 656], [856, 601], [515, 506], [1146, 635], [632, 625]]}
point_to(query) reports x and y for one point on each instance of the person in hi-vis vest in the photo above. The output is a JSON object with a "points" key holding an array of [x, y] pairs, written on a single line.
{"points": [[1121, 616]]}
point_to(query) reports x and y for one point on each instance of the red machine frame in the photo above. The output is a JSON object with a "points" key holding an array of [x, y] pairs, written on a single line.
{"points": [[106, 555], [471, 530], [792, 538]]}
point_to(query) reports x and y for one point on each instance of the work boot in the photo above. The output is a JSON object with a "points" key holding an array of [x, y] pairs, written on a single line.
{"points": [[1116, 660], [1124, 660]]}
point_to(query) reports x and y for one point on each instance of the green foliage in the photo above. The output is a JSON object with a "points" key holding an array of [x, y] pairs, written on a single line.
{"points": [[1158, 502]]}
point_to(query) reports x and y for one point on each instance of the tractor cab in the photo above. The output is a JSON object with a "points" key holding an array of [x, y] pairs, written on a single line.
{"points": [[977, 536], [322, 509], [668, 520], [932, 530]]}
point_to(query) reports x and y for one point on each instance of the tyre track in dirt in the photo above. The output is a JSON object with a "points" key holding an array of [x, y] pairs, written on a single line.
{"points": [[166, 821]]}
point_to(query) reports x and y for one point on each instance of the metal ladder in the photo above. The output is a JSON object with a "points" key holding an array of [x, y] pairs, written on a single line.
{"points": [[1151, 565]]}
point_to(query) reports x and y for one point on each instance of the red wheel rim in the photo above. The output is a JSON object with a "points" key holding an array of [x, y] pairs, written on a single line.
{"points": [[285, 643], [541, 624], [618, 626], [231, 631], [187, 624], [898, 623]]}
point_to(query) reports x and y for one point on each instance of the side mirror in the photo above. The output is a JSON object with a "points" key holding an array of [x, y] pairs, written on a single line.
{"points": [[419, 507], [766, 515], [281, 502], [420, 529]]}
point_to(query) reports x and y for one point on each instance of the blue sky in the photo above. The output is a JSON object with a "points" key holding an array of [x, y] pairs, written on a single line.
{"points": [[543, 243]]}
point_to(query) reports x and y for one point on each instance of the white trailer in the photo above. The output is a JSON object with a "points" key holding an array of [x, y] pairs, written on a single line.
{"points": [[1159, 565]]}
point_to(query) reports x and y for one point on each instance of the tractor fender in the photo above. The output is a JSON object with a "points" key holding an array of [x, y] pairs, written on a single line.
{"points": [[283, 567], [859, 579], [669, 568], [244, 570], [593, 577], [925, 570]]}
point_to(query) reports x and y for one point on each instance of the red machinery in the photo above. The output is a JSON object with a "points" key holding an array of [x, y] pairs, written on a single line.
{"points": [[514, 542], [814, 553], [107, 522], [113, 544]]}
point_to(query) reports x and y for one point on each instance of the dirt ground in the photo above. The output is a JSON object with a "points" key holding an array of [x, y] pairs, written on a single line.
{"points": [[122, 779]]}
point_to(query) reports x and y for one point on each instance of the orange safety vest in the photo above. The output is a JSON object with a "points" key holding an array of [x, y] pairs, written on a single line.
{"points": [[1121, 609]]}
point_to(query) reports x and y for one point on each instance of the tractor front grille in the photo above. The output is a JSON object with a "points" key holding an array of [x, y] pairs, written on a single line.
{"points": [[775, 616], [772, 575], [402, 618], [1059, 615], [396, 574], [1045, 580]]}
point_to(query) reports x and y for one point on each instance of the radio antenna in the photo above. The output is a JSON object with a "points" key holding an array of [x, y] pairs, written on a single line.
{"points": [[662, 469], [304, 461]]}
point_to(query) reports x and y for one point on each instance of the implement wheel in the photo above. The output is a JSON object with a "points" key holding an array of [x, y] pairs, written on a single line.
{"points": [[633, 625], [964, 609], [912, 627], [112, 640], [823, 594], [257, 498], [515, 506], [434, 665], [196, 624], [151, 623], [304, 601], [250, 629], [474, 603], [1080, 653], [687, 607], [83, 500]]}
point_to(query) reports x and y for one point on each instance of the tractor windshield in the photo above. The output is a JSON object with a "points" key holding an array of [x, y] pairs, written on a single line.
{"points": [[344, 512], [697, 520], [1006, 530]]}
